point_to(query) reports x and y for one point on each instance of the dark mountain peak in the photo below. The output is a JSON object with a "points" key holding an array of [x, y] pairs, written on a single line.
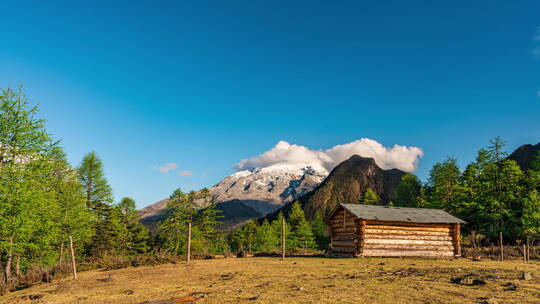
{"points": [[346, 183], [524, 155]]}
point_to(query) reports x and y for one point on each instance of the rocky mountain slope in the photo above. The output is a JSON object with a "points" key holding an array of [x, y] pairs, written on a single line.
{"points": [[254, 193], [524, 155], [346, 183]]}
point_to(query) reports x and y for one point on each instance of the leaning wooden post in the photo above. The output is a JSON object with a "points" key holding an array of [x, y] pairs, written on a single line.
{"points": [[188, 255], [283, 238], [73, 264], [501, 246]]}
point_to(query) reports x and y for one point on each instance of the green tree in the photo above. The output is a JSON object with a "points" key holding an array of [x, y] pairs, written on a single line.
{"points": [[266, 239], [98, 193], [531, 214], [138, 234], [26, 208], [181, 209], [444, 184], [317, 226], [206, 220], [409, 192], [276, 227], [73, 218], [301, 233], [369, 197]]}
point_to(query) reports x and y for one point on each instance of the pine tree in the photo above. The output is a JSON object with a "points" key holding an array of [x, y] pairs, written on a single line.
{"points": [[317, 226], [277, 230], [531, 214], [409, 191], [110, 232], [181, 209], [301, 233], [98, 193], [444, 184], [267, 239], [73, 218], [138, 234], [206, 220], [369, 197], [250, 234], [27, 209]]}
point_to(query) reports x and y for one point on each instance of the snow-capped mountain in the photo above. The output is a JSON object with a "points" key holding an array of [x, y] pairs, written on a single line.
{"points": [[256, 192], [267, 189]]}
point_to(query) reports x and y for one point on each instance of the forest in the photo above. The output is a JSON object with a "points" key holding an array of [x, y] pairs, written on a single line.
{"points": [[44, 202]]}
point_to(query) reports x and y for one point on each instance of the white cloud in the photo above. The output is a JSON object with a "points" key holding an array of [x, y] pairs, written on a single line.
{"points": [[168, 167], [185, 173], [400, 157]]}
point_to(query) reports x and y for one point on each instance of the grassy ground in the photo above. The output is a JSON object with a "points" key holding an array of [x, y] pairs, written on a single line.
{"points": [[298, 280]]}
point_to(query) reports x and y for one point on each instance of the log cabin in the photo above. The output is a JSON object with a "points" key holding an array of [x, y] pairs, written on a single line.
{"points": [[384, 231]]}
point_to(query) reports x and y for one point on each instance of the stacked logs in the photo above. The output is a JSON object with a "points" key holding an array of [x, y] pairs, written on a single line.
{"points": [[351, 236], [344, 237], [408, 239]]}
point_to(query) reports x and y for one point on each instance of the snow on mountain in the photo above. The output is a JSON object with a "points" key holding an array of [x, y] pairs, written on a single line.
{"points": [[264, 190]]}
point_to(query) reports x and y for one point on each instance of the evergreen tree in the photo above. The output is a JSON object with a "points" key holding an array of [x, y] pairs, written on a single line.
{"points": [[531, 214], [206, 221], [301, 233], [369, 197], [266, 240], [98, 193], [138, 234], [27, 209], [317, 226], [532, 179], [276, 227], [181, 209], [73, 218], [444, 184], [409, 192]]}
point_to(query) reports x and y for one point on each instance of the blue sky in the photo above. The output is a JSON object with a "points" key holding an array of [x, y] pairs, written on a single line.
{"points": [[206, 84]]}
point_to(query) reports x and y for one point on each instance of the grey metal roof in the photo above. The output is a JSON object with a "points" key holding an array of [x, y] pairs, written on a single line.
{"points": [[401, 214]]}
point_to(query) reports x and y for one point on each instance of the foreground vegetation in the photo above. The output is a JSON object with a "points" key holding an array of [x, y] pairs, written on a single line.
{"points": [[300, 280]]}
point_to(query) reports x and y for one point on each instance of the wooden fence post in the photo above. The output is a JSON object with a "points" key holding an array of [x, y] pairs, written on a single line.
{"points": [[73, 264], [528, 250], [524, 253], [61, 258], [188, 254], [283, 238], [457, 240], [501, 246]]}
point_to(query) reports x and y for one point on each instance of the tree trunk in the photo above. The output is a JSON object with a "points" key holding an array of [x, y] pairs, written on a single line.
{"points": [[1, 268], [7, 270], [283, 238], [73, 264], [18, 266], [61, 258], [188, 253]]}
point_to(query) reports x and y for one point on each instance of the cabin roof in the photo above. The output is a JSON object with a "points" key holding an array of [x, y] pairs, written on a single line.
{"points": [[401, 214]]}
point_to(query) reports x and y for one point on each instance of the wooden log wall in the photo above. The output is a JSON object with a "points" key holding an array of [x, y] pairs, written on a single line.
{"points": [[408, 239], [344, 236]]}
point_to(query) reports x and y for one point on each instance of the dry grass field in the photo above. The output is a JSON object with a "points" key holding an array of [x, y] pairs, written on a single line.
{"points": [[299, 280]]}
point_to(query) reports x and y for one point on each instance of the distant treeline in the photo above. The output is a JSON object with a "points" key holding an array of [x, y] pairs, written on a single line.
{"points": [[492, 194]]}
